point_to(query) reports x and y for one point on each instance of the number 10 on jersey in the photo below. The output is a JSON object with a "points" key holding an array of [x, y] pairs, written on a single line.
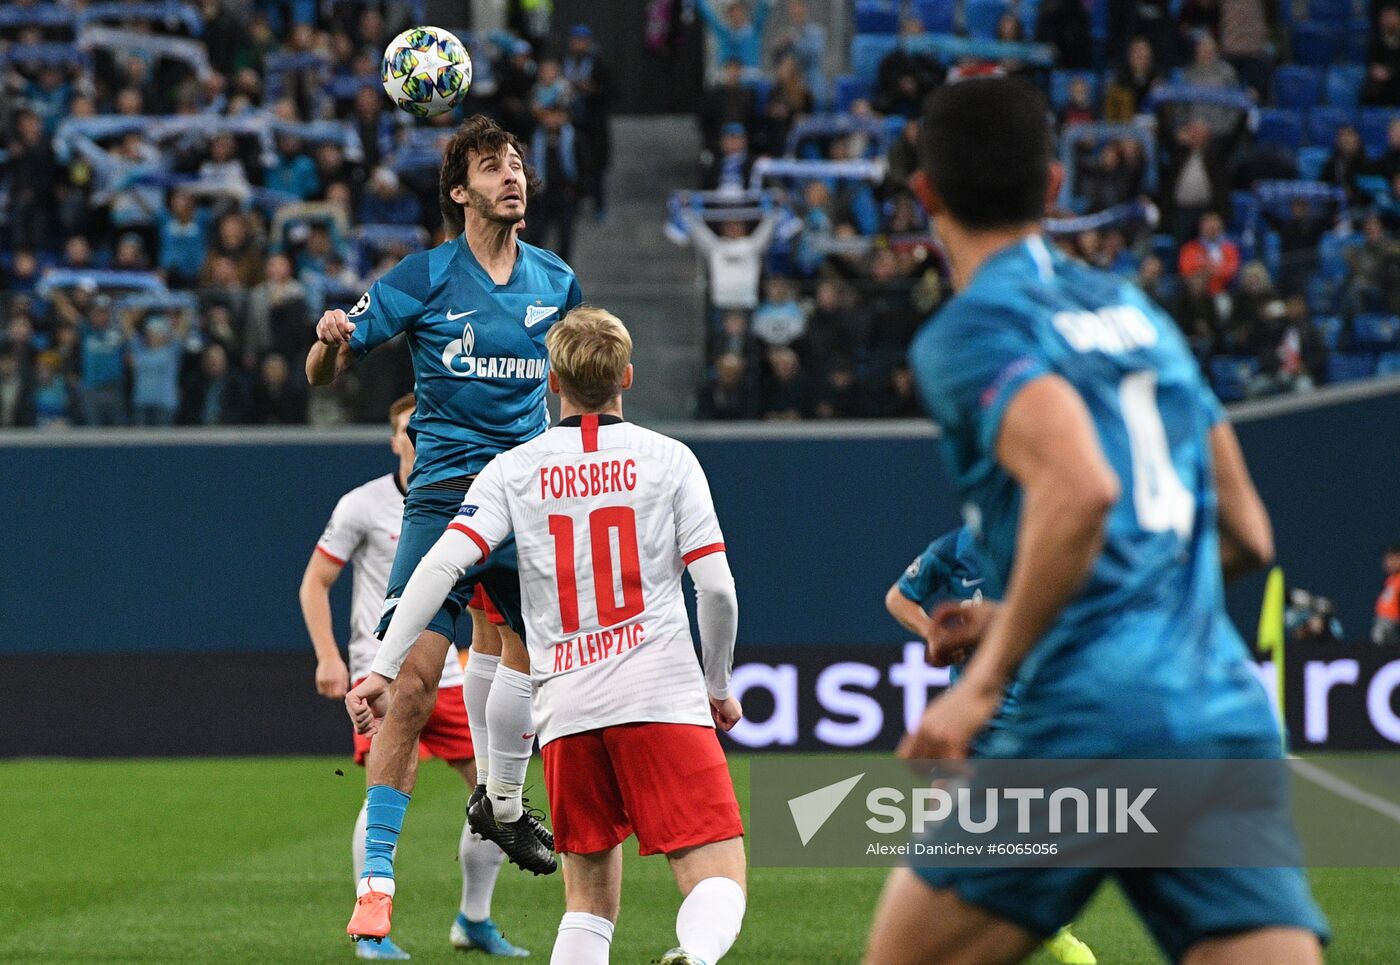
{"points": [[613, 559]]}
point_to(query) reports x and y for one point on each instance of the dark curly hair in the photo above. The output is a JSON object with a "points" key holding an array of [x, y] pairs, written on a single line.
{"points": [[478, 136]]}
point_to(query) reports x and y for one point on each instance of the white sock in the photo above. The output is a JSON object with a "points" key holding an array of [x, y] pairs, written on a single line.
{"points": [[357, 842], [481, 861], [710, 917], [364, 885], [476, 687], [584, 939], [512, 740]]}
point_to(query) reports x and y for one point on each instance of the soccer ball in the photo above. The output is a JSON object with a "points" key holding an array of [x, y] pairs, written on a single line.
{"points": [[426, 71]]}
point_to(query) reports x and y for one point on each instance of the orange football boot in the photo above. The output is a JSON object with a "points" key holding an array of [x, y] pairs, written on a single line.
{"points": [[371, 919]]}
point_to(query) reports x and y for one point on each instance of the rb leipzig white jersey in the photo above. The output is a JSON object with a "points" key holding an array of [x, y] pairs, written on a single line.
{"points": [[364, 532], [606, 516]]}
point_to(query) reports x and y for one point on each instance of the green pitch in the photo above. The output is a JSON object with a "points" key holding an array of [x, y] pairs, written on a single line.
{"points": [[249, 861]]}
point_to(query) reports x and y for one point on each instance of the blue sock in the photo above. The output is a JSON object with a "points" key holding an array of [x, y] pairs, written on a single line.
{"points": [[383, 822]]}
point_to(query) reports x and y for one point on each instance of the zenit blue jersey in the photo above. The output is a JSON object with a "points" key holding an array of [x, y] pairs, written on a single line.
{"points": [[1143, 656], [479, 361]]}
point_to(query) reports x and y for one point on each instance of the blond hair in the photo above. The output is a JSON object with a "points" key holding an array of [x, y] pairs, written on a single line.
{"points": [[590, 351], [404, 403]]}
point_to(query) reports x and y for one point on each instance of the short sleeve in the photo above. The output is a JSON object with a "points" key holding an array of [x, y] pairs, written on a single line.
{"points": [[928, 575], [485, 513], [969, 363], [381, 313], [575, 296], [345, 531], [697, 527], [1210, 404]]}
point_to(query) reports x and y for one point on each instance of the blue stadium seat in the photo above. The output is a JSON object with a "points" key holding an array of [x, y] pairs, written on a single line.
{"points": [[850, 89], [937, 15], [1315, 44], [1388, 363], [1297, 87], [762, 89], [1356, 42], [1328, 11], [1375, 121], [981, 17], [1311, 161], [1331, 256], [867, 50], [1324, 296], [1230, 374], [1279, 126], [1244, 212], [1376, 330], [1060, 81], [1344, 85], [1164, 247], [1272, 253], [1324, 122], [877, 17], [1350, 366], [1330, 327]]}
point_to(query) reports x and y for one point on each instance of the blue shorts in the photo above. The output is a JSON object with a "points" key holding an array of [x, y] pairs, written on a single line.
{"points": [[426, 513], [1179, 906]]}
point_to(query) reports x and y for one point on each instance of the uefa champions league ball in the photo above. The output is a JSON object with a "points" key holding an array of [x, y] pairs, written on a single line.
{"points": [[426, 70]]}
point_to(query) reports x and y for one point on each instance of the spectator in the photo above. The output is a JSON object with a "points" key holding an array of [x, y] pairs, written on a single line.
{"points": [[1291, 355], [905, 76], [789, 101], [816, 226], [1132, 83], [1209, 71], [1312, 619], [293, 172], [103, 367], [1299, 233], [1009, 29], [77, 254], [279, 317], [234, 239], [1382, 85], [728, 170], [155, 374], [1200, 18], [1246, 43], [131, 254], [1064, 24], [277, 398], [184, 236], [1197, 180], [739, 34], [32, 169], [1385, 631], [805, 41], [780, 319], [1254, 307], [838, 396], [895, 397], [213, 395], [903, 159], [1197, 312], [734, 337], [223, 166], [593, 86], [1079, 107], [1150, 275], [386, 201], [16, 392], [728, 107], [376, 127], [1347, 163], [551, 91], [515, 80], [836, 328], [786, 392], [1373, 277], [1211, 254], [1388, 164], [733, 258], [333, 168], [1107, 181], [728, 394], [557, 152], [23, 272], [51, 399]]}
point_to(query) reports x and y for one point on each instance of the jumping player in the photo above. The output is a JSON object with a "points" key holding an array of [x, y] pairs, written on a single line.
{"points": [[475, 311], [363, 532], [1085, 448], [607, 516], [951, 569]]}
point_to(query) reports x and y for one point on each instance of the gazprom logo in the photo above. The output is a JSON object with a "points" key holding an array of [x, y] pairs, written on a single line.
{"points": [[459, 359]]}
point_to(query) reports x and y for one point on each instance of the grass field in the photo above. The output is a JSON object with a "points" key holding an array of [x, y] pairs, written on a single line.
{"points": [[238, 860]]}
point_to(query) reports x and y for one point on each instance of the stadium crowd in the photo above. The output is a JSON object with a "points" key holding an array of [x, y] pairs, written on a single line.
{"points": [[184, 187], [1239, 159]]}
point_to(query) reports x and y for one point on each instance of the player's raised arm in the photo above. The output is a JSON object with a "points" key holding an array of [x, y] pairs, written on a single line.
{"points": [[1246, 535]]}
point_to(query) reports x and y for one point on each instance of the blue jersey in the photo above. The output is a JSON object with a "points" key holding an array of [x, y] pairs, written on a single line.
{"points": [[1143, 656], [479, 361], [952, 567]]}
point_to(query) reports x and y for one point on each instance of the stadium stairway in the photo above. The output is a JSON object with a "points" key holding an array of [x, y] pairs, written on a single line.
{"points": [[627, 266]]}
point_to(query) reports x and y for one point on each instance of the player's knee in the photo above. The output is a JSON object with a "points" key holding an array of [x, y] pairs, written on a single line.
{"points": [[414, 697]]}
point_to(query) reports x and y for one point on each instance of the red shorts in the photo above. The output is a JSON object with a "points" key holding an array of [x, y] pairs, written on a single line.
{"points": [[480, 601], [667, 782], [445, 735]]}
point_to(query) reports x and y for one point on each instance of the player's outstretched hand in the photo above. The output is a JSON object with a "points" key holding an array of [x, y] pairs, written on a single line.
{"points": [[954, 629], [725, 713], [332, 678], [334, 328], [949, 724], [368, 703]]}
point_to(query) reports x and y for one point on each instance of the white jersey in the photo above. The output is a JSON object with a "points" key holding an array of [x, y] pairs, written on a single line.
{"points": [[606, 517], [364, 532]]}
